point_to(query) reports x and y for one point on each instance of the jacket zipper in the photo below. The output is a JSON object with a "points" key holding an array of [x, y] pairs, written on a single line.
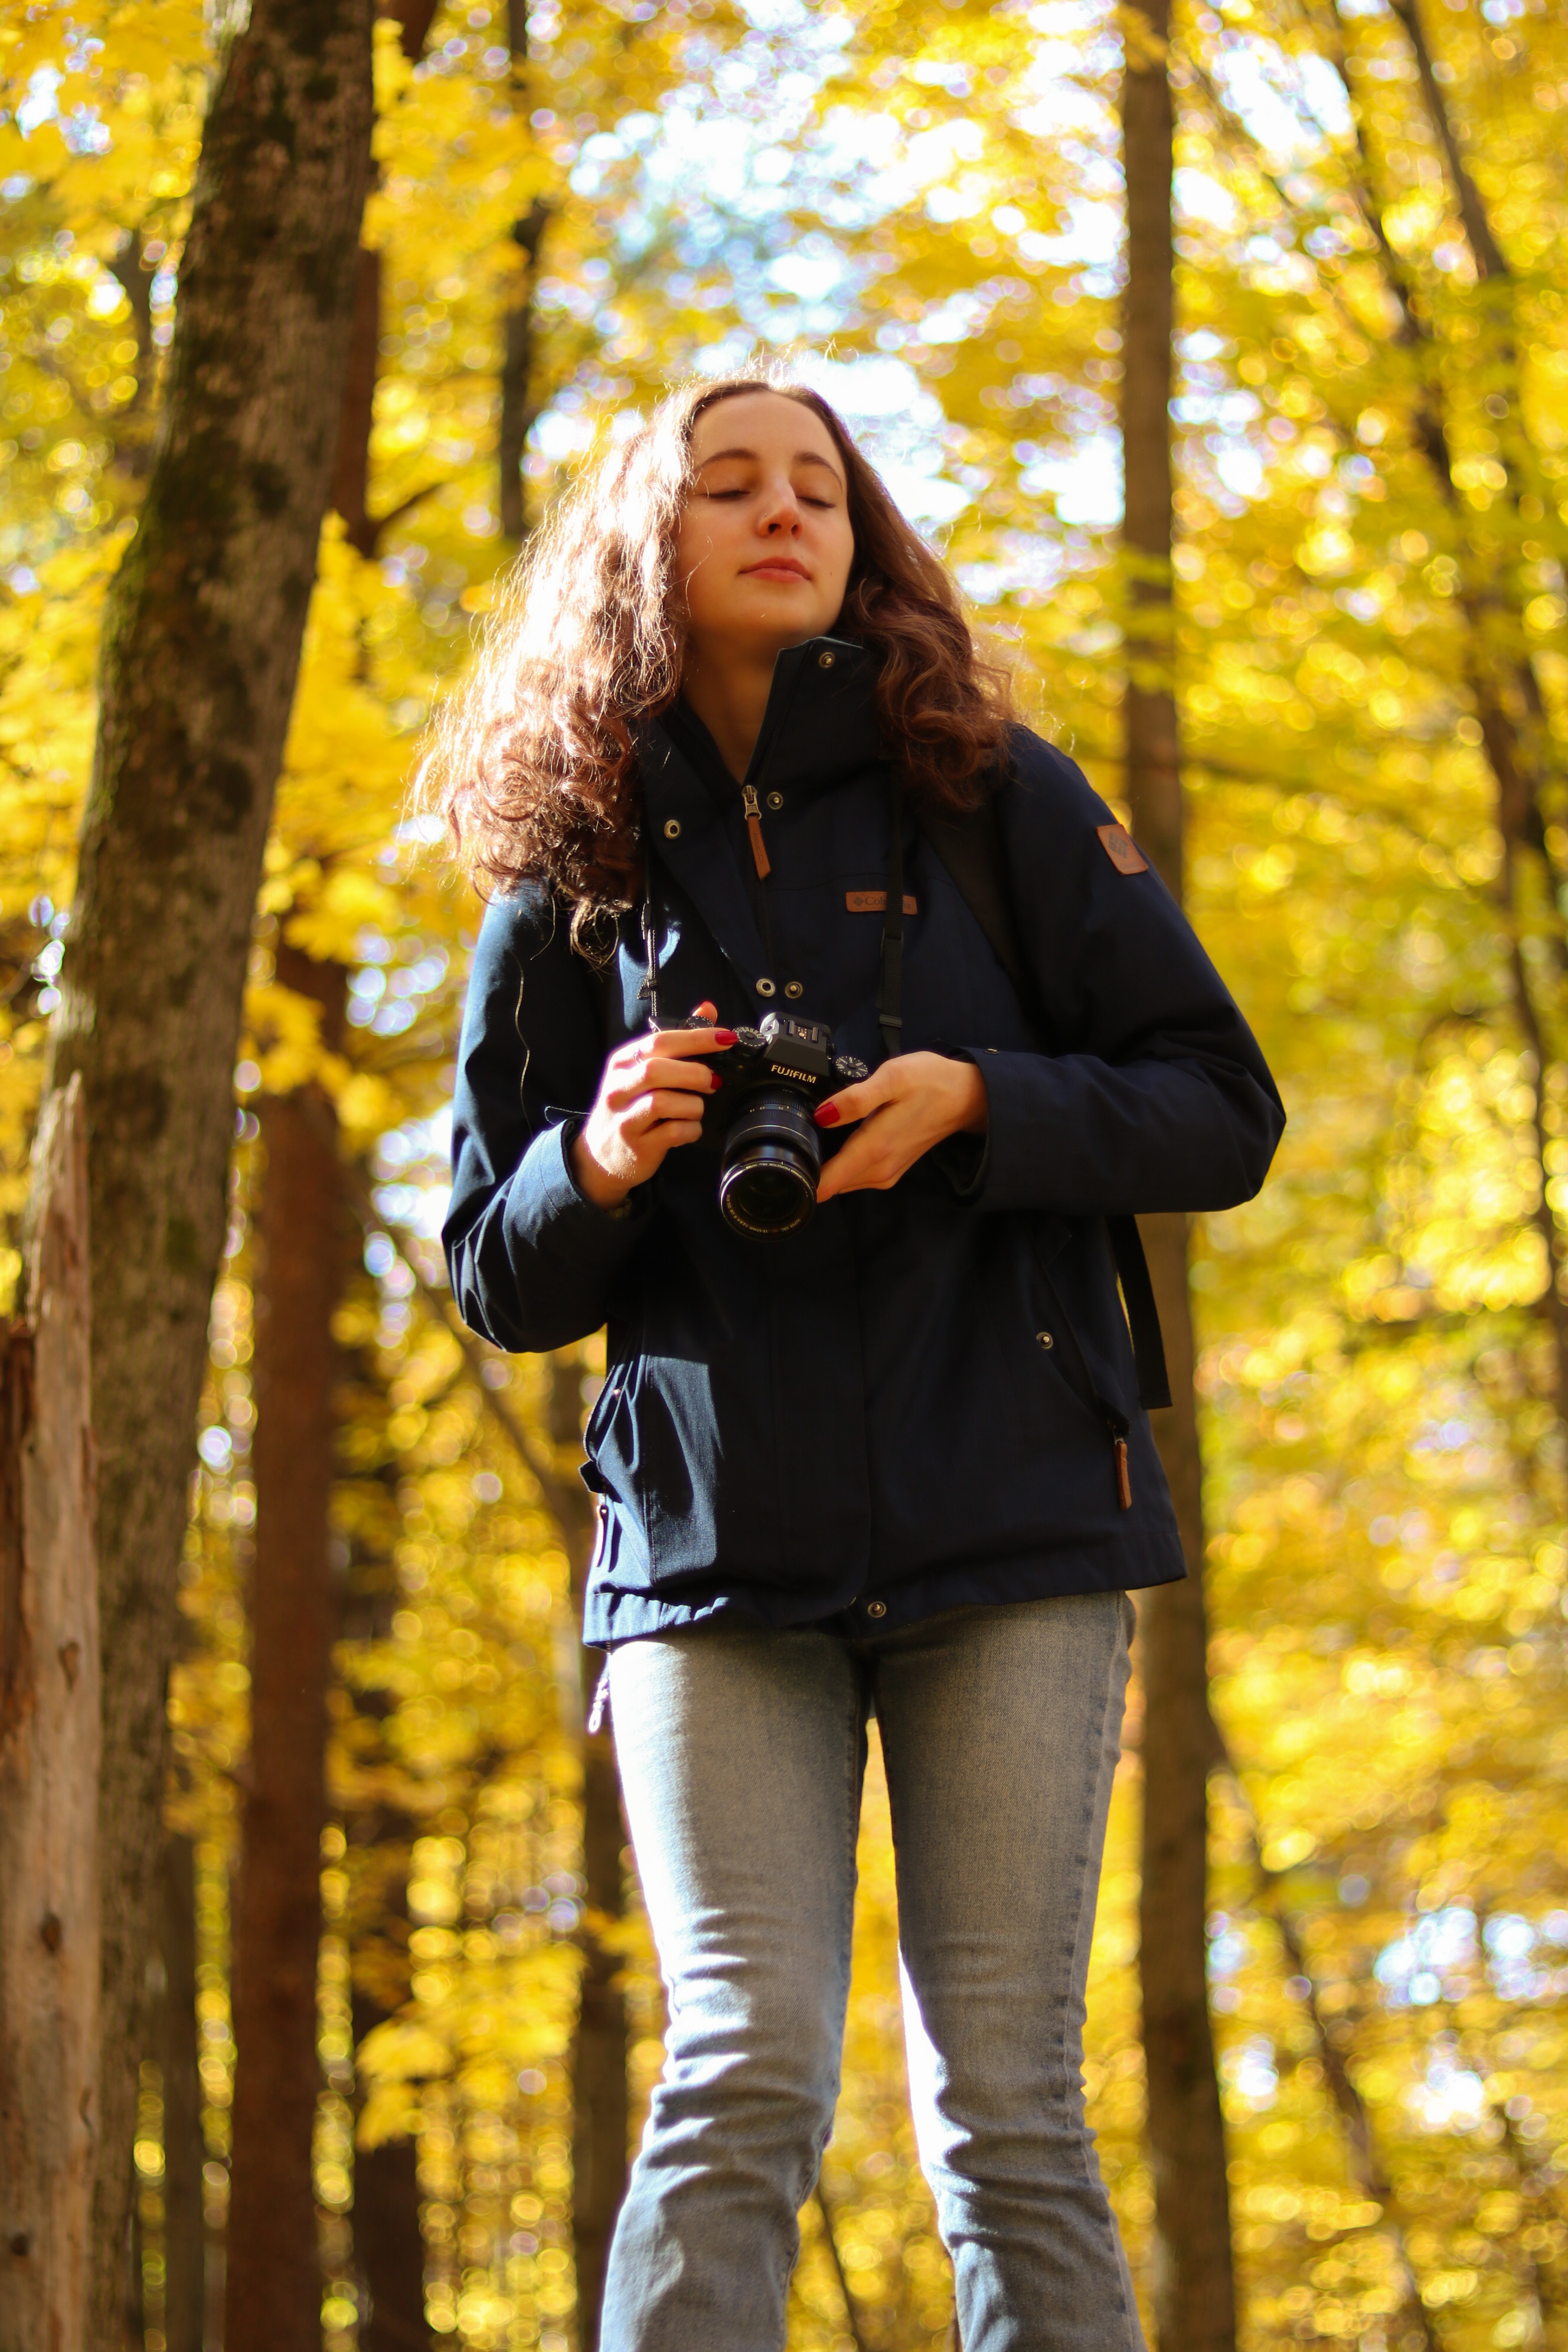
{"points": [[760, 857]]}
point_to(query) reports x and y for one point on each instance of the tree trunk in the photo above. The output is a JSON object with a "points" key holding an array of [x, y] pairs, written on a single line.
{"points": [[1195, 2293], [599, 2106], [274, 2286], [389, 2245], [518, 409], [1193, 2286], [49, 1750], [351, 465], [200, 653], [184, 2224]]}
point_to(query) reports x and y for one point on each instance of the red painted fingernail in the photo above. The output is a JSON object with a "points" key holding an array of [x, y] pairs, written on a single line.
{"points": [[714, 1082], [725, 1037], [827, 1115]]}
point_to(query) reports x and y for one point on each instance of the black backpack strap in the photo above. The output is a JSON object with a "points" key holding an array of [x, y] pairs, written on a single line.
{"points": [[1142, 1313], [969, 846]]}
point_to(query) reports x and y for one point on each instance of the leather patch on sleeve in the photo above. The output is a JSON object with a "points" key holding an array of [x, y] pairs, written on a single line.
{"points": [[1121, 849], [875, 902]]}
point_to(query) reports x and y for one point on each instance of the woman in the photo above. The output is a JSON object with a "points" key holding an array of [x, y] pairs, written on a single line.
{"points": [[892, 1458]]}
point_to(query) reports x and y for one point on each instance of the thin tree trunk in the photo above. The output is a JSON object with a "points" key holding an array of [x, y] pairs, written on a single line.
{"points": [[350, 466], [50, 1748], [184, 2224], [200, 653], [274, 2286], [389, 2245], [1487, 252], [600, 2108], [1365, 2164], [1193, 2284], [600, 2121], [519, 408]]}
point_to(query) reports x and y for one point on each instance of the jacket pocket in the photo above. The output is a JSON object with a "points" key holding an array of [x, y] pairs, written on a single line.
{"points": [[1089, 1386]]}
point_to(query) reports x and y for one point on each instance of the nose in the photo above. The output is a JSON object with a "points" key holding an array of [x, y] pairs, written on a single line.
{"points": [[780, 515]]}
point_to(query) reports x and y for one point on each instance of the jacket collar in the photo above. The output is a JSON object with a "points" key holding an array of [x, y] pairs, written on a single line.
{"points": [[819, 730], [819, 727]]}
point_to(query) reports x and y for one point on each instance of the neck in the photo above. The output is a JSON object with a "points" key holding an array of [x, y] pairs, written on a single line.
{"points": [[729, 691]]}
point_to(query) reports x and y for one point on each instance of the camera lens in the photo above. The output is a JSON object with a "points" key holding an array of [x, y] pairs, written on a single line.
{"points": [[773, 1157]]}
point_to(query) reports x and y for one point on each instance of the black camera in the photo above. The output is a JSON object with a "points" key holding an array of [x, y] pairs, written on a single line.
{"points": [[771, 1079]]}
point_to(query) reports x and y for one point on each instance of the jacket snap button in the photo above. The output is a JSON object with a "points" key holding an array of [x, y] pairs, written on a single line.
{"points": [[825, 661], [764, 988], [1045, 1339], [795, 988], [672, 828], [775, 800], [876, 1607]]}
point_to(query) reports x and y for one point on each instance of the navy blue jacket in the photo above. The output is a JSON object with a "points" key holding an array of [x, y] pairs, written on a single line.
{"points": [[892, 1411]]}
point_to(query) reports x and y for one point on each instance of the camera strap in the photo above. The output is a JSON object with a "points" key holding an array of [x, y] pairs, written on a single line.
{"points": [[650, 947]]}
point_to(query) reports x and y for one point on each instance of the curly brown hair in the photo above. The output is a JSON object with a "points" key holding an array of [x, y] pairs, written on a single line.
{"points": [[533, 760]]}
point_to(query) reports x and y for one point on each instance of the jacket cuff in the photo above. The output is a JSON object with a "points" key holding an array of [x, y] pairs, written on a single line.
{"points": [[548, 1214], [1010, 1175]]}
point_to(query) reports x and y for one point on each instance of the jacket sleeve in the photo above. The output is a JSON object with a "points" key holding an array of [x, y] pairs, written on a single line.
{"points": [[533, 1261], [1155, 1095]]}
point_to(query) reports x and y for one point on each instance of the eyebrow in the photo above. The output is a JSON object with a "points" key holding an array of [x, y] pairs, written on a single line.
{"points": [[801, 458]]}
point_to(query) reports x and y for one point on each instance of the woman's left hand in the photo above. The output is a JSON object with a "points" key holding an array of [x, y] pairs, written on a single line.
{"points": [[907, 1105]]}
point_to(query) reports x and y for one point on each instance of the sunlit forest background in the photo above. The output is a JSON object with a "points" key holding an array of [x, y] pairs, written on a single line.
{"points": [[922, 204]]}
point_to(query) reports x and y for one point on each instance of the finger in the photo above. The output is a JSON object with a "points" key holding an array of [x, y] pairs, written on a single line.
{"points": [[864, 1165], [858, 1101], [651, 1147], [696, 1079], [685, 1041], [664, 1078], [664, 1103]]}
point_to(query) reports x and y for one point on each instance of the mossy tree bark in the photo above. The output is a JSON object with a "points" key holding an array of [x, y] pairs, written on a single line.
{"points": [[1195, 2289], [200, 655]]}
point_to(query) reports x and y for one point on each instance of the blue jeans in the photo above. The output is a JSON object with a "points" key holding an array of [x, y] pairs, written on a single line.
{"points": [[742, 1755]]}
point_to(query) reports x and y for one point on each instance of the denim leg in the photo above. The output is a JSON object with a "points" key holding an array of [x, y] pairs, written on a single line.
{"points": [[741, 1756], [1001, 1730]]}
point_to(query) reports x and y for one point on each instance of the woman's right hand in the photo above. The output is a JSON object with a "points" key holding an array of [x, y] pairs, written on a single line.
{"points": [[651, 1099]]}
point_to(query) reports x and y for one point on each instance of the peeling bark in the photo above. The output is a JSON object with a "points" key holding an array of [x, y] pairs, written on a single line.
{"points": [[201, 649], [50, 1746]]}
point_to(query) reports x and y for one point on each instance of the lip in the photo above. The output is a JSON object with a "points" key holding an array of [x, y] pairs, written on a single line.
{"points": [[777, 567]]}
